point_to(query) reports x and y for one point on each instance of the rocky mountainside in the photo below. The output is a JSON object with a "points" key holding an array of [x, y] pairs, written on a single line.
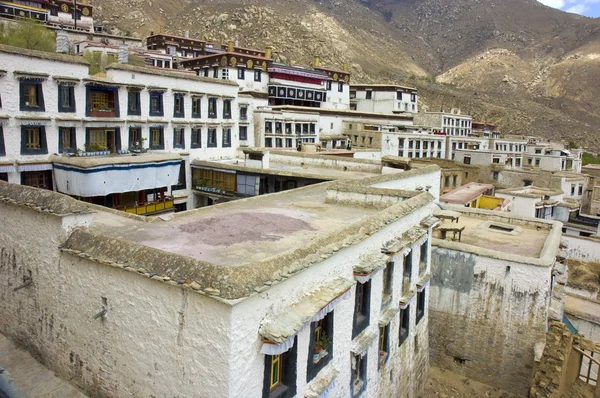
{"points": [[527, 67]]}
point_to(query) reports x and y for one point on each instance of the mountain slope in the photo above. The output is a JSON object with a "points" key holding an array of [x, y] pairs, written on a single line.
{"points": [[530, 68]]}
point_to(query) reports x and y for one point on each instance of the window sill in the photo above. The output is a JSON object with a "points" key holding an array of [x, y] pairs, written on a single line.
{"points": [[279, 391], [318, 357]]}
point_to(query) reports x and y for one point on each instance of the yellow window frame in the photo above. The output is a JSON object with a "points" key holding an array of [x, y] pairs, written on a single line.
{"points": [[155, 137], [275, 378], [31, 95], [33, 138]]}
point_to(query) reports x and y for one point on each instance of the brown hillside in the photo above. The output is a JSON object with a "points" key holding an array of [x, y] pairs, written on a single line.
{"points": [[530, 68]]}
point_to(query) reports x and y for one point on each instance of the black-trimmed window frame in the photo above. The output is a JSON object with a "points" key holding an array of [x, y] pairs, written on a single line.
{"points": [[159, 110], [420, 305], [161, 139], [404, 325], [39, 96], [243, 133], [211, 138], [132, 138], [257, 75], [115, 93], [226, 137], [181, 111], [133, 98], [197, 104], [360, 372], [328, 85], [179, 143], [182, 181], [340, 87], [196, 138], [42, 150], [384, 343], [313, 368], [72, 148], [227, 109], [212, 103], [68, 91], [362, 308], [2, 145], [287, 374], [241, 74]]}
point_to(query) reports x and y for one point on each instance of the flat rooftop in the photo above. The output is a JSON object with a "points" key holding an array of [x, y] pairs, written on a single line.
{"points": [[291, 170], [499, 234], [239, 232]]}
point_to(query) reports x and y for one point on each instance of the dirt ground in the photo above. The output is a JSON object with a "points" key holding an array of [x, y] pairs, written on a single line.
{"points": [[445, 384]]}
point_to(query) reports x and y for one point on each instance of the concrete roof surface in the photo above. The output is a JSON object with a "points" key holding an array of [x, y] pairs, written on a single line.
{"points": [[240, 232], [466, 193]]}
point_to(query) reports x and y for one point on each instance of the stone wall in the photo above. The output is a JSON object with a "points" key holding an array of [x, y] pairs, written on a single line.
{"points": [[485, 318]]}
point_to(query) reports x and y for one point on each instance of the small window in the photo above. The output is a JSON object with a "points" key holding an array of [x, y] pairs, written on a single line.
{"points": [[384, 343], [320, 350], [66, 140], [37, 179], [66, 98], [156, 103], [157, 138], [362, 307], [178, 106], [328, 85], [179, 138], [133, 103], [404, 324], [196, 110], [340, 87], [2, 147], [196, 138], [243, 113], [580, 189], [33, 140], [537, 162], [399, 95], [413, 98], [243, 133], [227, 138], [32, 98], [54, 11], [420, 305], [135, 138], [388, 280], [280, 374], [241, 74], [212, 138], [227, 109], [216, 73], [467, 160], [212, 108], [225, 74], [368, 94], [358, 380], [206, 72], [495, 175], [257, 75]]}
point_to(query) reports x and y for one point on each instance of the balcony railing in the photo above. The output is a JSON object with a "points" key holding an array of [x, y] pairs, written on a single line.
{"points": [[148, 208]]}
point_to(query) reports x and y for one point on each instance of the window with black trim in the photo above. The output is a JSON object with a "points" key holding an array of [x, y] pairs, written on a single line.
{"points": [[404, 324], [328, 85], [4, 177], [156, 103], [388, 279], [257, 75], [358, 377], [157, 138], [211, 139], [32, 96], [206, 72], [241, 72], [413, 98], [67, 140], [384, 344], [135, 137], [340, 87], [66, 98], [196, 141], [181, 182], [368, 94], [2, 147], [179, 137], [133, 103], [420, 305], [320, 350], [178, 106], [423, 258], [227, 138], [212, 108], [280, 374], [196, 110], [407, 273], [33, 140], [227, 109], [243, 133], [216, 73], [37, 179], [102, 102], [362, 307], [243, 113]]}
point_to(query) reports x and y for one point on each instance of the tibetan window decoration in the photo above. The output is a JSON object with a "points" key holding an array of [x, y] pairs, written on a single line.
{"points": [[368, 267], [280, 330]]}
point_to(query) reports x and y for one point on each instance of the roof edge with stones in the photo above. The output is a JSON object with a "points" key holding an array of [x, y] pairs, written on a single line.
{"points": [[169, 73], [225, 283], [50, 56], [41, 200]]}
